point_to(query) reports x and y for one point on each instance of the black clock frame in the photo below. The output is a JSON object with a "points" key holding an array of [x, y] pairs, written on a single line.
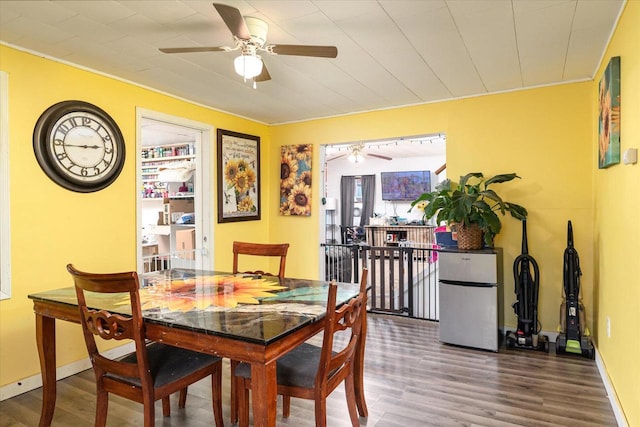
{"points": [[41, 134]]}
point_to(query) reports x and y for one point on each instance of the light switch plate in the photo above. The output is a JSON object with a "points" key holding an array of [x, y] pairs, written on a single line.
{"points": [[630, 156]]}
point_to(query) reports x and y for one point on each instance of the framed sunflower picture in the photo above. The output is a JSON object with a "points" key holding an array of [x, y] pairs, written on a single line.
{"points": [[609, 115], [238, 176], [295, 179]]}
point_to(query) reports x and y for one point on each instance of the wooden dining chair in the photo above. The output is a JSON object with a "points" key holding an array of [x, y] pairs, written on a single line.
{"points": [[260, 249], [254, 249], [150, 373], [312, 372]]}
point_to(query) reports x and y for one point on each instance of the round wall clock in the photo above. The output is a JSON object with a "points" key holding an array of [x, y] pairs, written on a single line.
{"points": [[79, 146]]}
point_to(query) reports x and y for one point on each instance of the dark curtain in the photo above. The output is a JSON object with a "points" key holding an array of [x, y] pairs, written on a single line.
{"points": [[368, 198], [347, 193]]}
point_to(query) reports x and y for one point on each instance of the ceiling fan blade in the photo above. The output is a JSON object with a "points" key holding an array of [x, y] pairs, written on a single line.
{"points": [[264, 75], [194, 49], [234, 20], [380, 156], [303, 50], [336, 157]]}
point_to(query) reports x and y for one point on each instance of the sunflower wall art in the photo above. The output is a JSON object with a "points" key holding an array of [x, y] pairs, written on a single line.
{"points": [[609, 115], [238, 176], [295, 179]]}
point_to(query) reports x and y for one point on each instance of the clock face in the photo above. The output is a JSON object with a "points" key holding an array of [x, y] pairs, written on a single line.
{"points": [[83, 146], [79, 146]]}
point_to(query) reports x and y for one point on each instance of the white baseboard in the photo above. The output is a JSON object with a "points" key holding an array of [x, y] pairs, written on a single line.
{"points": [[611, 392], [31, 383]]}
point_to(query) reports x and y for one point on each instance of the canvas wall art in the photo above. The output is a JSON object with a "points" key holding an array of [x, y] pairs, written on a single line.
{"points": [[609, 115], [238, 176], [295, 179]]}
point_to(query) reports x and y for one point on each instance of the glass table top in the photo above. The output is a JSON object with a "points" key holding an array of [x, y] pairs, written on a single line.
{"points": [[250, 308]]}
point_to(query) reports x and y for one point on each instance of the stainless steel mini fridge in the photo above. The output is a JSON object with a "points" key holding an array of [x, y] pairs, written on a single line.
{"points": [[470, 297]]}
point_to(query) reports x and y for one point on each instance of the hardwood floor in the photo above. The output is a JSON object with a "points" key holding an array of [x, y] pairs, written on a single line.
{"points": [[410, 380]]}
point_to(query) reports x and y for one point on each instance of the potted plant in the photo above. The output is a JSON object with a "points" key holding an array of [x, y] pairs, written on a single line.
{"points": [[472, 206]]}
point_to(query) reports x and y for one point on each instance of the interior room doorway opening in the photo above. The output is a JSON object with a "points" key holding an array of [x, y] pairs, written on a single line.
{"points": [[424, 155], [367, 190], [173, 178]]}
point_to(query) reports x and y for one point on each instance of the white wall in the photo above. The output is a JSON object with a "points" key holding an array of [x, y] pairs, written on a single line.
{"points": [[373, 166]]}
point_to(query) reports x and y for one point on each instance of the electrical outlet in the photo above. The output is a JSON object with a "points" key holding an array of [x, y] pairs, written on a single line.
{"points": [[608, 327]]}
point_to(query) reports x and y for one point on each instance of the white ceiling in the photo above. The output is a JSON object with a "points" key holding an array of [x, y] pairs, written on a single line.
{"points": [[155, 133], [390, 52]]}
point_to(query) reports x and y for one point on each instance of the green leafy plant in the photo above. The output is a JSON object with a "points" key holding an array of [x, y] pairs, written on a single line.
{"points": [[469, 202]]}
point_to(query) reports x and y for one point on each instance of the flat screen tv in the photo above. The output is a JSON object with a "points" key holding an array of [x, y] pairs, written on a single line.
{"points": [[404, 185]]}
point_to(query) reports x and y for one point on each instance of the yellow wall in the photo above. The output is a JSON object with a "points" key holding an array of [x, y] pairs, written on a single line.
{"points": [[542, 134], [617, 230], [546, 135], [51, 226]]}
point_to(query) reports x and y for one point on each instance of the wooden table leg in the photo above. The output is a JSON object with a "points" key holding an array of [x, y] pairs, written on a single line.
{"points": [[358, 368], [264, 393], [46, 341]]}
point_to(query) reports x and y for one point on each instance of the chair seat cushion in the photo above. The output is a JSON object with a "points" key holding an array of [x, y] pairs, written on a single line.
{"points": [[295, 369], [168, 363]]}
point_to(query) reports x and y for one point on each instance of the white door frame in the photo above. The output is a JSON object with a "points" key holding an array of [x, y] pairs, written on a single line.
{"points": [[322, 212], [203, 191]]}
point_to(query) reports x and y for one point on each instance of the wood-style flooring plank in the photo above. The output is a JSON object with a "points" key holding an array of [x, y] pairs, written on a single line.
{"points": [[411, 379]]}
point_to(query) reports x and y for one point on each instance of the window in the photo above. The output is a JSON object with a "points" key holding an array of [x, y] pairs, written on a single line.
{"points": [[357, 195], [5, 230]]}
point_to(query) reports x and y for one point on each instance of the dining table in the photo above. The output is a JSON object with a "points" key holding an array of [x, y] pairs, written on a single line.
{"points": [[249, 318]]}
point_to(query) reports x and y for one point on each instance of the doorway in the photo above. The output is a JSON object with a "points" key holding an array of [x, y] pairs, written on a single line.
{"points": [[422, 153], [394, 242], [173, 175]]}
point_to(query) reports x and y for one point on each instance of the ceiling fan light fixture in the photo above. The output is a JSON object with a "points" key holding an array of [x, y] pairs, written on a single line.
{"points": [[248, 66], [356, 155], [355, 158]]}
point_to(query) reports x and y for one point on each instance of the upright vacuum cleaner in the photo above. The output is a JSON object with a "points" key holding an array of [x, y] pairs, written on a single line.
{"points": [[573, 336], [527, 285]]}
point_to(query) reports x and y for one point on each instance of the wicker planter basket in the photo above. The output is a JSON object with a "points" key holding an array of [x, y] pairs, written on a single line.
{"points": [[469, 237]]}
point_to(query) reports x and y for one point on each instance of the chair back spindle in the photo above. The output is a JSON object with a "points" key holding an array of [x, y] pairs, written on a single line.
{"points": [[347, 317], [114, 326]]}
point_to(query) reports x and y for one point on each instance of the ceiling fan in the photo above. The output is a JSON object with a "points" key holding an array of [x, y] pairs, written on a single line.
{"points": [[355, 153], [250, 35]]}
